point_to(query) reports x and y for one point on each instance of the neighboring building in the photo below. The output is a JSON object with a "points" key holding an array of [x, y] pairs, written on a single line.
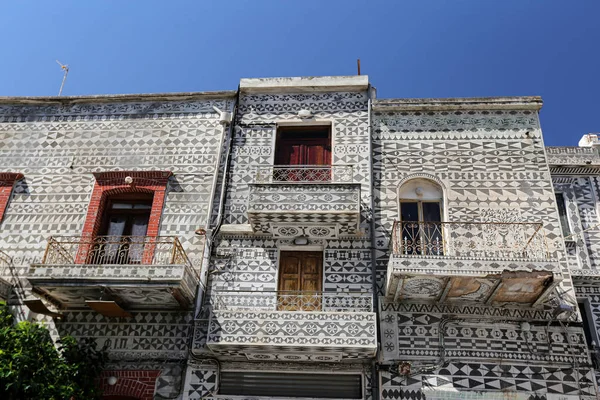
{"points": [[483, 300], [291, 280], [576, 177], [107, 192], [300, 238]]}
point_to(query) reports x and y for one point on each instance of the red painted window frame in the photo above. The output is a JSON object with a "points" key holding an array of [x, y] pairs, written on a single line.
{"points": [[113, 183]]}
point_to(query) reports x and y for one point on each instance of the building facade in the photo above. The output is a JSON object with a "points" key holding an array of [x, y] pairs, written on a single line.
{"points": [[301, 238], [482, 301], [575, 175], [101, 198]]}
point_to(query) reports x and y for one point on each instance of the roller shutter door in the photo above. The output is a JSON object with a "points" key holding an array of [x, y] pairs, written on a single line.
{"points": [[329, 386]]}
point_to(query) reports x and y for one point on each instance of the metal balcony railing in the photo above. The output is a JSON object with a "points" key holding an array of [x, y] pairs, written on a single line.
{"points": [[304, 174], [234, 300], [5, 262], [470, 240], [145, 250]]}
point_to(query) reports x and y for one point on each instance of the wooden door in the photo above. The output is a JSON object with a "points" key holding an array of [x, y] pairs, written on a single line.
{"points": [[300, 280]]}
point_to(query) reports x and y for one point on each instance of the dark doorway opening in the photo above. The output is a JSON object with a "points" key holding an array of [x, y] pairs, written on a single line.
{"points": [[299, 148], [122, 237]]}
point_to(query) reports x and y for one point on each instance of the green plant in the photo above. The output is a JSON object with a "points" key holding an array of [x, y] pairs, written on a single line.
{"points": [[31, 366]]}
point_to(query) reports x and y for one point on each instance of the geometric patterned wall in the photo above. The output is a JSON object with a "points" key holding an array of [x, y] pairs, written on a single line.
{"points": [[588, 288], [248, 262], [251, 263], [490, 381], [491, 160], [580, 192], [416, 332], [243, 263], [58, 147], [321, 210], [269, 335], [576, 174], [491, 163]]}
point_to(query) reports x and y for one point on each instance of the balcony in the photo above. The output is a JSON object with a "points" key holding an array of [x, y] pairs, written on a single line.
{"points": [[135, 272], [292, 326], [320, 201], [5, 276], [491, 263]]}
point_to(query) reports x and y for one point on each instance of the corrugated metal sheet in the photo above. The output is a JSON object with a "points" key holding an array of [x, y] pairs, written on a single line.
{"points": [[330, 386]]}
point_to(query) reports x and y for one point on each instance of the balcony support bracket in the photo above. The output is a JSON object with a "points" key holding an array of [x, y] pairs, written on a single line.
{"points": [[447, 287], [38, 306], [489, 299], [546, 292], [180, 299], [398, 293]]}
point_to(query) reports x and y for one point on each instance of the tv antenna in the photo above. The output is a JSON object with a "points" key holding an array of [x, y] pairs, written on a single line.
{"points": [[66, 69]]}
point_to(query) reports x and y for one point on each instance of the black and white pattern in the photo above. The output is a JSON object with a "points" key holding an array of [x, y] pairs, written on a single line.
{"points": [[57, 147], [490, 162]]}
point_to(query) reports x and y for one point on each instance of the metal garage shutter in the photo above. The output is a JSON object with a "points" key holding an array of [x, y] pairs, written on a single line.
{"points": [[330, 386]]}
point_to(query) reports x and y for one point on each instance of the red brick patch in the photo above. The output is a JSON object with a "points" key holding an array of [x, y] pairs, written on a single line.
{"points": [[133, 383], [114, 182], [7, 182]]}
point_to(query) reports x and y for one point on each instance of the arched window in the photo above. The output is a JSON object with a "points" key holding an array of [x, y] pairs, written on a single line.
{"points": [[421, 215]]}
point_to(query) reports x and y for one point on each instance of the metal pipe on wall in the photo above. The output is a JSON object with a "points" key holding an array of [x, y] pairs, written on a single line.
{"points": [[374, 373], [209, 239]]}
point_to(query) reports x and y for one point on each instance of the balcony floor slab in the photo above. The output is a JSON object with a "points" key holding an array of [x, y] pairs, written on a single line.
{"points": [[287, 210], [132, 286], [460, 279]]}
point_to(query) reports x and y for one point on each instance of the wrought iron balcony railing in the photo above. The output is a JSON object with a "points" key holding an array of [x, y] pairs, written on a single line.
{"points": [[144, 250], [350, 302], [305, 174], [5, 263], [470, 240]]}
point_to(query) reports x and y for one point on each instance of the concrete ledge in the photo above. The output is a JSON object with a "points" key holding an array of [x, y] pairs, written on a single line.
{"points": [[115, 98], [533, 103], [305, 84]]}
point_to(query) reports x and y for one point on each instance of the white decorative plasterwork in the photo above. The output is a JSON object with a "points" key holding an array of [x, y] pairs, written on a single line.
{"points": [[572, 155], [86, 111], [240, 332], [288, 210]]}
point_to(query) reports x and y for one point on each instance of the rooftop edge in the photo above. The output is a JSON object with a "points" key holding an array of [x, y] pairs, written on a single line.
{"points": [[109, 98], [305, 84], [467, 103]]}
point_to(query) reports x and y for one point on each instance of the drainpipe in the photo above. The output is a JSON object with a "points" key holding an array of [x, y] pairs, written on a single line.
{"points": [[211, 233], [374, 377]]}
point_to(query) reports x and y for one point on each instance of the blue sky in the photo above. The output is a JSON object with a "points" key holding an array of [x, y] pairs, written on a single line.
{"points": [[420, 48]]}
